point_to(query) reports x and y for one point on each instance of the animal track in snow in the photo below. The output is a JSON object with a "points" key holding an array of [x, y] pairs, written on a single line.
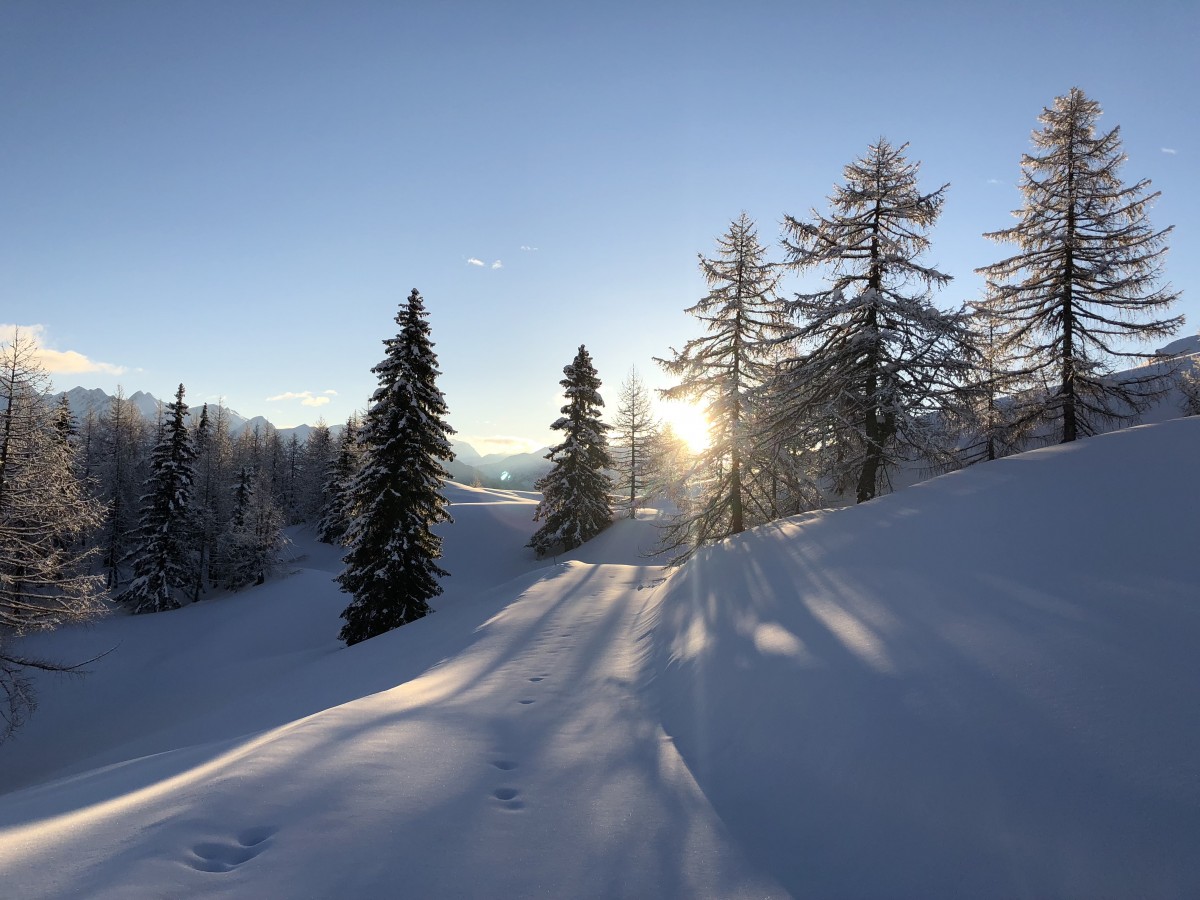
{"points": [[508, 798], [504, 765], [222, 856], [538, 678], [526, 701]]}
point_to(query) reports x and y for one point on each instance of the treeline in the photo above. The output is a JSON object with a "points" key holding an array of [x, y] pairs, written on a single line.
{"points": [[829, 392]]}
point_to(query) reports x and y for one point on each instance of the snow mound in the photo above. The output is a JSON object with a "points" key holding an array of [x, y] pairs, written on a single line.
{"points": [[983, 686]]}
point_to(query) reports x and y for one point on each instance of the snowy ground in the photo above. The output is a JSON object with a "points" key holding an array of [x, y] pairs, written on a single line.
{"points": [[981, 686]]}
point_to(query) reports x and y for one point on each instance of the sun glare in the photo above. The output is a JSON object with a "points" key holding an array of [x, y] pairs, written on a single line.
{"points": [[689, 422]]}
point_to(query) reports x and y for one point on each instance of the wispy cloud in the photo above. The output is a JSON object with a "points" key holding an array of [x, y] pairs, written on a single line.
{"points": [[497, 265], [527, 247], [62, 362], [306, 398], [1169, 150], [475, 262]]}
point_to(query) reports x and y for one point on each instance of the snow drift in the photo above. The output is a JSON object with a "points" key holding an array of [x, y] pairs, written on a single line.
{"points": [[981, 686], [984, 685]]}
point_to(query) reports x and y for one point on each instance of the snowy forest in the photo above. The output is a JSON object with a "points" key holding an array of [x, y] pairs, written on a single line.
{"points": [[837, 393]]}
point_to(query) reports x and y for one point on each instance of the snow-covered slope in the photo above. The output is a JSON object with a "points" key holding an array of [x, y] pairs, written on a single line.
{"points": [[986, 685], [981, 686]]}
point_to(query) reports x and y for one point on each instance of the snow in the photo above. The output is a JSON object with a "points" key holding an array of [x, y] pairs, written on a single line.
{"points": [[980, 686]]}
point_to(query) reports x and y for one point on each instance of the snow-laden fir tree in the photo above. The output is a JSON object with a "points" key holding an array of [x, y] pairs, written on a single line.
{"points": [[162, 558], [723, 370], [575, 504], [633, 429], [337, 510], [1084, 283], [876, 361], [391, 567], [46, 521]]}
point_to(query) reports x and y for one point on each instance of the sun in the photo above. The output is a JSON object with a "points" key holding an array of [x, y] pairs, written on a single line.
{"points": [[689, 422]]}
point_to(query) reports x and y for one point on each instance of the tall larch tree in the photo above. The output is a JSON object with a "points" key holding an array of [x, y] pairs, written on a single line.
{"points": [[723, 370], [876, 360], [391, 569], [633, 430], [1085, 282], [163, 563], [575, 504], [46, 519]]}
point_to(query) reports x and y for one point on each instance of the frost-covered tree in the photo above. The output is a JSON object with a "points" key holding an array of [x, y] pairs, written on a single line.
{"points": [[391, 567], [671, 463], [249, 548], [45, 517], [633, 429], [44, 511], [121, 470], [337, 510], [723, 370], [990, 426], [163, 565], [318, 454], [876, 360], [575, 504], [1084, 283]]}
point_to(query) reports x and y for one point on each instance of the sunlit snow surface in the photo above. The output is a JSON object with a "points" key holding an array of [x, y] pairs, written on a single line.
{"points": [[983, 686]]}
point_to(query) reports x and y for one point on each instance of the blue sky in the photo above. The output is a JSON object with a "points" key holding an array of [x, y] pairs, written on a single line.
{"points": [[237, 195]]}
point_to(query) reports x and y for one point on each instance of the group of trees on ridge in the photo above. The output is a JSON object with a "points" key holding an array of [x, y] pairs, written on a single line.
{"points": [[820, 396]]}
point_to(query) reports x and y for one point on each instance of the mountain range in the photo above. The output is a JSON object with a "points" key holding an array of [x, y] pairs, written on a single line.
{"points": [[513, 471]]}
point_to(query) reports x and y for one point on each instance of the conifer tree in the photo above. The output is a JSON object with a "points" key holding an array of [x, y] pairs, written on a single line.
{"points": [[163, 567], [251, 543], [120, 474], [318, 454], [876, 359], [575, 503], [723, 370], [337, 510], [633, 428], [1084, 281], [391, 568]]}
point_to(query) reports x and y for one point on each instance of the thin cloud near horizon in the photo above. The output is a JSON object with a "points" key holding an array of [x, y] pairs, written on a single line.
{"points": [[306, 398]]}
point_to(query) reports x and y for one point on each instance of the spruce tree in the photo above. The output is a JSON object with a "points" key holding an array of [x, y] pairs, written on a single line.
{"points": [[633, 428], [575, 503], [1084, 282], [163, 565], [391, 568], [337, 509], [723, 370], [876, 359]]}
